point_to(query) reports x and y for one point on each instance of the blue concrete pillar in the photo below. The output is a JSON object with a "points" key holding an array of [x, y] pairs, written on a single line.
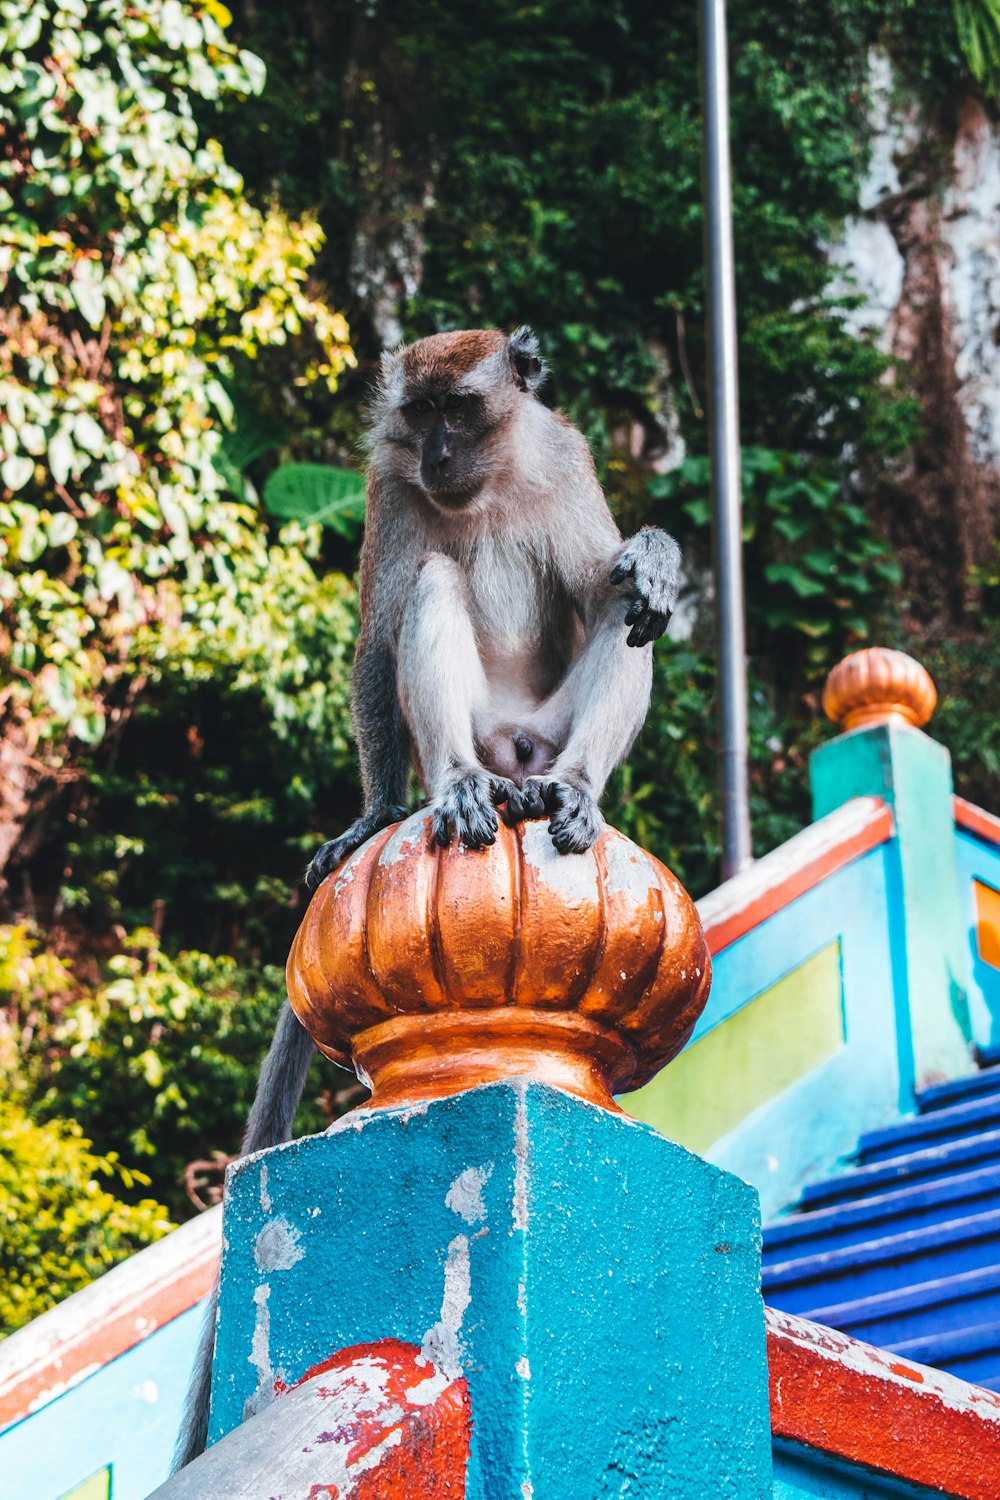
{"points": [[597, 1285], [912, 773]]}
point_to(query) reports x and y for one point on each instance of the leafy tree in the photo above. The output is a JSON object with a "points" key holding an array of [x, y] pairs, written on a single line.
{"points": [[135, 286], [156, 1054], [60, 1225]]}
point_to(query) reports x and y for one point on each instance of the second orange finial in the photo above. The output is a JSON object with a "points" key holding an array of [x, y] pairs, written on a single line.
{"points": [[879, 686]]}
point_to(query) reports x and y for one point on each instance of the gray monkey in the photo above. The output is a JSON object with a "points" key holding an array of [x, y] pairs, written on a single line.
{"points": [[496, 601], [503, 632]]}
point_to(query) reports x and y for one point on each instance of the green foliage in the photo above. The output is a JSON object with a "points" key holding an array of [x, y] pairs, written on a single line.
{"points": [[60, 1223], [134, 283], [816, 574], [318, 492], [157, 1059], [977, 23], [965, 668]]}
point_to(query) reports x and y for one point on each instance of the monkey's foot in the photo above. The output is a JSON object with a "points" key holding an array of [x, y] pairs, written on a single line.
{"points": [[574, 820], [335, 851], [467, 809], [650, 566]]}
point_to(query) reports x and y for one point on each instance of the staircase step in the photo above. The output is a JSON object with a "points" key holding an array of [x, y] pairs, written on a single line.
{"points": [[931, 1307], [886, 1264], [943, 1095], [972, 1353], [957, 1122], [913, 1206], [928, 1165]]}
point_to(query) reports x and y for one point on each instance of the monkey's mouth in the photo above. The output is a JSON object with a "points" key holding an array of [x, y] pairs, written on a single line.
{"points": [[452, 494]]}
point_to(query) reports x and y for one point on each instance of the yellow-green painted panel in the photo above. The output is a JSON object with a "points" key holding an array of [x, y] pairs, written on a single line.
{"points": [[775, 1039], [97, 1487]]}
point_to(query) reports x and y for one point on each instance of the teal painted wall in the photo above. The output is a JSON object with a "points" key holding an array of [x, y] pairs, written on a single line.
{"points": [[816, 1120], [126, 1415], [802, 1475]]}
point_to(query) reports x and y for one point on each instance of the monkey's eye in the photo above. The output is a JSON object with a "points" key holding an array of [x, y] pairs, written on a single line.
{"points": [[421, 407], [454, 403]]}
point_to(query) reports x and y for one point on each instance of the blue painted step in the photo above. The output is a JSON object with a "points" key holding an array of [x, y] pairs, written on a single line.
{"points": [[927, 1165], [942, 1095], [903, 1249], [913, 1206], [967, 1352], [917, 1311], [938, 1128], [882, 1265]]}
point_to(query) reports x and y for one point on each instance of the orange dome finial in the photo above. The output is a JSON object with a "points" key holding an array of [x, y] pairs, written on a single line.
{"points": [[879, 686], [432, 970]]}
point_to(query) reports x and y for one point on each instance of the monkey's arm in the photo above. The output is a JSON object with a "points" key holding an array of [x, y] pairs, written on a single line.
{"points": [[649, 567], [380, 730], [590, 553], [384, 752]]}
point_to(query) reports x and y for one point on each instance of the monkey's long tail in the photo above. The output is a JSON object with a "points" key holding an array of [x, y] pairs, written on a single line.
{"points": [[279, 1089]]}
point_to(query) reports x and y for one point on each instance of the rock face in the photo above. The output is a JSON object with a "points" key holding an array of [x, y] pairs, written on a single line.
{"points": [[924, 251]]}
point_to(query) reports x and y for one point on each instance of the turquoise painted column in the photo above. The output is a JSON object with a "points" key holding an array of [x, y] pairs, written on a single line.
{"points": [[881, 698], [597, 1286], [591, 1289]]}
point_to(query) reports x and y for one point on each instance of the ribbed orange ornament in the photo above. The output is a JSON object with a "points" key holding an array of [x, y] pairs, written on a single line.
{"points": [[431, 970], [879, 686]]}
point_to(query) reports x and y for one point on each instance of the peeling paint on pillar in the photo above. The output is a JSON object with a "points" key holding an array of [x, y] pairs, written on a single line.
{"points": [[596, 1285], [373, 1422]]}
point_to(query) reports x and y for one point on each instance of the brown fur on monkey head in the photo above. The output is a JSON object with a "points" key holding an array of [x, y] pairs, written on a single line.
{"points": [[444, 403]]}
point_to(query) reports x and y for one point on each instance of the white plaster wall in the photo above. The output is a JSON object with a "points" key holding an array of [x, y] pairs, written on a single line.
{"points": [[971, 231], [872, 264]]}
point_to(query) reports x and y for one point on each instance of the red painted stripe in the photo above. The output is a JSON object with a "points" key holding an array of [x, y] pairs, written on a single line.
{"points": [[853, 1402], [402, 1445], [106, 1319], [797, 881], [983, 824]]}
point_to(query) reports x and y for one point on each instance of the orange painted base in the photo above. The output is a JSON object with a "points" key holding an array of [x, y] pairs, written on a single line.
{"points": [[410, 1059]]}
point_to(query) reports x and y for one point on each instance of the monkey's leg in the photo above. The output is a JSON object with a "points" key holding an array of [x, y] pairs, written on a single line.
{"points": [[595, 714], [335, 851], [443, 692], [279, 1089]]}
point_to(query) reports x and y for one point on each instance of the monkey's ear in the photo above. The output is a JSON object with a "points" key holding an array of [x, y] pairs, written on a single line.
{"points": [[529, 367]]}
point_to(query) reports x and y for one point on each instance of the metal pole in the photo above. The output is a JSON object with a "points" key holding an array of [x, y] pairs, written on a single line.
{"points": [[723, 414]]}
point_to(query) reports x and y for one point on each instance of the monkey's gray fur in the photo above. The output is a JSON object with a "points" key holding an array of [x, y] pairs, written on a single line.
{"points": [[498, 602], [504, 635]]}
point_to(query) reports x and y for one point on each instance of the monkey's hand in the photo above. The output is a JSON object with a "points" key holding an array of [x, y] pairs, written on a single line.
{"points": [[467, 808], [649, 567], [335, 851], [574, 819]]}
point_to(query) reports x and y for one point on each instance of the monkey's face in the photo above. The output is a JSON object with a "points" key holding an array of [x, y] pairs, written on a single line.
{"points": [[449, 409], [452, 432]]}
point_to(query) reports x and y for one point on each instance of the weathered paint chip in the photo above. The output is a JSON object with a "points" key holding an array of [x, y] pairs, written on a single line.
{"points": [[465, 1196]]}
